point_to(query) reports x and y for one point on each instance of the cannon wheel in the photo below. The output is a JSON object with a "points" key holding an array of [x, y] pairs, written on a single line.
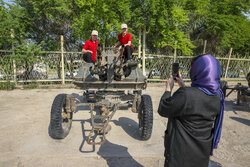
{"points": [[59, 124], [145, 117]]}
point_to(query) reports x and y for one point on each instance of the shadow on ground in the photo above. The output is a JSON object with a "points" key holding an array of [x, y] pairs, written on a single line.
{"points": [[214, 164], [117, 155], [241, 120], [85, 133], [114, 154], [129, 126], [231, 105]]}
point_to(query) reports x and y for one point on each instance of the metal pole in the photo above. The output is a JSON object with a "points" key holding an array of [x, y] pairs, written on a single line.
{"points": [[230, 53], [12, 35], [139, 48], [143, 50], [14, 67], [205, 45], [62, 58], [175, 48]]}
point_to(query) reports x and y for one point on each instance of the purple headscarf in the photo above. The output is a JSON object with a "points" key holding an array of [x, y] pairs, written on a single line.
{"points": [[205, 75]]}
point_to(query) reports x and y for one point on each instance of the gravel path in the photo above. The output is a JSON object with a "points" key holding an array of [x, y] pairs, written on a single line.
{"points": [[24, 138]]}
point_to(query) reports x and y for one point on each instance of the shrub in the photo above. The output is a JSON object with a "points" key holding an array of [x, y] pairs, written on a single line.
{"points": [[7, 85], [32, 85]]}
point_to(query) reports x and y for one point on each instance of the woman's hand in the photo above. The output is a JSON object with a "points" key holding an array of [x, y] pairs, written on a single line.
{"points": [[170, 84], [179, 80]]}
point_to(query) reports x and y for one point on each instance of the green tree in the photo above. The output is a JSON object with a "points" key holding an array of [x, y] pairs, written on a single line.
{"points": [[169, 24], [27, 56], [48, 20], [164, 21], [222, 23], [105, 16], [227, 22], [12, 25]]}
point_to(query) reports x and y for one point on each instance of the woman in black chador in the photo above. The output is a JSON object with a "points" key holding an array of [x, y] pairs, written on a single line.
{"points": [[194, 115]]}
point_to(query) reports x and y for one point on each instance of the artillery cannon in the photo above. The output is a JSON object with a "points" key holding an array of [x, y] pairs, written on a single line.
{"points": [[243, 92], [109, 84]]}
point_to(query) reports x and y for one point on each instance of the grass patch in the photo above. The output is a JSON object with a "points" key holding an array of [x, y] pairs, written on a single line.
{"points": [[7, 85], [31, 86], [44, 87]]}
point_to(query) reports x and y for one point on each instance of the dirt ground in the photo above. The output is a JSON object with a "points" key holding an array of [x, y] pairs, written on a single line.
{"points": [[25, 140]]}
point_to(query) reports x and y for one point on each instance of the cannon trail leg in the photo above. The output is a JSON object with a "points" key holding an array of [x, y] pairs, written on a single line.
{"points": [[102, 127]]}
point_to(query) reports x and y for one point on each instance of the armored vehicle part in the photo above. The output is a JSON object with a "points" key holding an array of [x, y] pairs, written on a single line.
{"points": [[110, 73], [109, 85], [145, 117], [243, 92], [61, 116]]}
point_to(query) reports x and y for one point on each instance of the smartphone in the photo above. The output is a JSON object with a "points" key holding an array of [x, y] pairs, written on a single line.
{"points": [[175, 70]]}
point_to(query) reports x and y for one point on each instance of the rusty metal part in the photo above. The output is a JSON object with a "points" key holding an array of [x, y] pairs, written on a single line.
{"points": [[242, 93], [105, 110], [66, 115], [70, 105], [67, 104], [95, 143], [136, 103], [91, 106]]}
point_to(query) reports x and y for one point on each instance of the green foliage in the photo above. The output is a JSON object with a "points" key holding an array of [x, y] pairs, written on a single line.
{"points": [[7, 85], [12, 25], [164, 21], [169, 24], [24, 57], [105, 16], [222, 23], [32, 85], [6, 65], [27, 55], [48, 20]]}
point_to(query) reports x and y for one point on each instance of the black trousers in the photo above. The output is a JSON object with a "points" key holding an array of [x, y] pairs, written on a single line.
{"points": [[128, 53], [87, 58]]}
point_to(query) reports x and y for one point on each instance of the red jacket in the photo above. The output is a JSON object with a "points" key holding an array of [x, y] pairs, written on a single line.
{"points": [[90, 45]]}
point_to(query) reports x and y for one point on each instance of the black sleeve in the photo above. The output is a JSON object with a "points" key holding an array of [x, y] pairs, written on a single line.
{"points": [[173, 106]]}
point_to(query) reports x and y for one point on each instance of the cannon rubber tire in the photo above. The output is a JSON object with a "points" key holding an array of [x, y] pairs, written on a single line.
{"points": [[59, 127], [146, 117]]}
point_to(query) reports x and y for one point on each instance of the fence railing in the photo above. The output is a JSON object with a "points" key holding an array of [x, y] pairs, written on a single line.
{"points": [[60, 67], [158, 67]]}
